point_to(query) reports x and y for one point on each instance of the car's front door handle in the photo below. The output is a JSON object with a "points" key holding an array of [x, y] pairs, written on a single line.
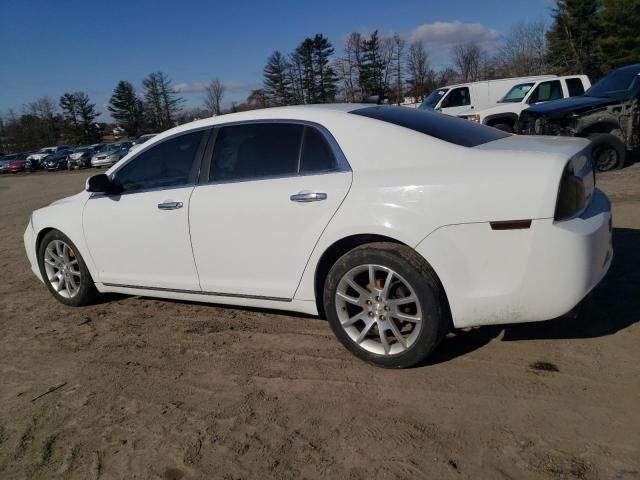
{"points": [[169, 205], [308, 197]]}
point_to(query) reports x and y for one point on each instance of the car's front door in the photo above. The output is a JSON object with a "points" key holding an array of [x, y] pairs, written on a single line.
{"points": [[140, 237], [271, 190]]}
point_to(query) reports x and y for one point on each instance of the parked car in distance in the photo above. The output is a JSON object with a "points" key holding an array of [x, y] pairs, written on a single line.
{"points": [[36, 160], [7, 159], [608, 114], [357, 212], [108, 155], [504, 115], [16, 166], [455, 99], [57, 161], [138, 142], [80, 157]]}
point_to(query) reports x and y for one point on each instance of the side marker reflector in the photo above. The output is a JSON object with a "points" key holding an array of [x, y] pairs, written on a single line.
{"points": [[511, 225]]}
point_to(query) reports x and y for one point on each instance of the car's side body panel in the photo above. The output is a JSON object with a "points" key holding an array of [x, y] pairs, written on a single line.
{"points": [[133, 242], [250, 238]]}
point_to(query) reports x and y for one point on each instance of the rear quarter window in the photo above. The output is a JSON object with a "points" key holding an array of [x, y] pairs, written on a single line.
{"points": [[443, 127]]}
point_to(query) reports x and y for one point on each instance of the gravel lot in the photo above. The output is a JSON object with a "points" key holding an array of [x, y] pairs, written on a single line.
{"points": [[172, 390]]}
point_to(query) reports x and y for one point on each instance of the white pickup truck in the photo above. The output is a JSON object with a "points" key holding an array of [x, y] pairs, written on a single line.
{"points": [[506, 112]]}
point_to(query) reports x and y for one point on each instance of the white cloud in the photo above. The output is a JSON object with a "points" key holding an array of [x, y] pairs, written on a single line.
{"points": [[197, 87], [446, 34]]}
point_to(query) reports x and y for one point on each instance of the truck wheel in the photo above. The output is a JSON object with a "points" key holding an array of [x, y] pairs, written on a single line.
{"points": [[609, 152], [504, 127]]}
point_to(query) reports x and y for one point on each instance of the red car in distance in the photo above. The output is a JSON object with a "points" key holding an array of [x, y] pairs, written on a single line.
{"points": [[17, 166]]}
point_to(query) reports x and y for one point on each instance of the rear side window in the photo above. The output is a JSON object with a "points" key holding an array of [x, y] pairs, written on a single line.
{"points": [[255, 150], [575, 87], [164, 165], [444, 127], [316, 153]]}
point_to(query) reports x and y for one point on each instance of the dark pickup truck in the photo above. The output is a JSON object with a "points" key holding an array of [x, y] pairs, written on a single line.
{"points": [[608, 114]]}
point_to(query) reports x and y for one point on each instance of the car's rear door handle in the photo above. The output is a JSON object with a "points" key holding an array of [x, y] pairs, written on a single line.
{"points": [[308, 197], [169, 205]]}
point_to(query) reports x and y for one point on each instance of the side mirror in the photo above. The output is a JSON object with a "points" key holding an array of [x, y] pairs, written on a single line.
{"points": [[100, 183]]}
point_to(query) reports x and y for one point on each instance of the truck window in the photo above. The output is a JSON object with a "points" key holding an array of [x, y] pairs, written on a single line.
{"points": [[546, 92], [458, 97], [575, 87]]}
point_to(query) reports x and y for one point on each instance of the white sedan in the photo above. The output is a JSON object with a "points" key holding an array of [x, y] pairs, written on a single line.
{"points": [[394, 223]]}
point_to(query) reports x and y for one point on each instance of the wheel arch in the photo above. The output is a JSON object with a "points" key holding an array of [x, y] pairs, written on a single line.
{"points": [[607, 126], [346, 244], [507, 117]]}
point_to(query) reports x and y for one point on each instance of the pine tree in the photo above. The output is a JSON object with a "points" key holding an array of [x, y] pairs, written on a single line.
{"points": [[326, 79], [277, 83], [162, 105], [126, 108], [79, 117], [572, 37], [372, 68], [620, 23]]}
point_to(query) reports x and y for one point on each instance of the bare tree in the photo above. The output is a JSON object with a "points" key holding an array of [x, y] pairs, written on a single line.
{"points": [[418, 70], [468, 59], [348, 68], [522, 52], [214, 93]]}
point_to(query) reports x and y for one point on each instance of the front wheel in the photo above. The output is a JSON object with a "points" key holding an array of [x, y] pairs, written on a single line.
{"points": [[64, 270], [386, 305]]}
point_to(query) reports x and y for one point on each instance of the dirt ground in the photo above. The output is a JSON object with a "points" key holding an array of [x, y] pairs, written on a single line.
{"points": [[169, 390]]}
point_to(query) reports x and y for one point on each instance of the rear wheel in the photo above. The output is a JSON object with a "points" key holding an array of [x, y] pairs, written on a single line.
{"points": [[609, 152], [64, 271], [385, 305]]}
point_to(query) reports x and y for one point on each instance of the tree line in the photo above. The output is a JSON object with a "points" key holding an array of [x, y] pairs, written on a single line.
{"points": [[585, 37]]}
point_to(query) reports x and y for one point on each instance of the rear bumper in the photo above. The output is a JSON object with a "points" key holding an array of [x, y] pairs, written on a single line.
{"points": [[512, 276]]}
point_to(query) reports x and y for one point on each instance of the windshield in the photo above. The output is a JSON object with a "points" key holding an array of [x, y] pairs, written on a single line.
{"points": [[432, 100], [82, 150], [48, 150], [622, 84], [517, 93]]}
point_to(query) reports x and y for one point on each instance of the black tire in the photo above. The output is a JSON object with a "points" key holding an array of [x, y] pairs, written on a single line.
{"points": [[504, 127], [608, 151], [433, 307], [87, 292]]}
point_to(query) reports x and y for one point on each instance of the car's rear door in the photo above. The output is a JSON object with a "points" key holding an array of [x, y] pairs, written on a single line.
{"points": [[140, 238], [270, 190]]}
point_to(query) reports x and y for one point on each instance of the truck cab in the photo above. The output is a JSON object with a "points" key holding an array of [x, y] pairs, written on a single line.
{"points": [[505, 114]]}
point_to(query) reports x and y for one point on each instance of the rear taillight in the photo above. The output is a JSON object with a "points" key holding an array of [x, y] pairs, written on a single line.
{"points": [[572, 195]]}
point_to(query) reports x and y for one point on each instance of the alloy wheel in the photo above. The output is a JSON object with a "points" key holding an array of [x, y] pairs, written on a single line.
{"points": [[378, 309], [62, 269]]}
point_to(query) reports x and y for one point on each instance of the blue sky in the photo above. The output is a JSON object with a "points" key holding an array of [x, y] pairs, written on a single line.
{"points": [[51, 47]]}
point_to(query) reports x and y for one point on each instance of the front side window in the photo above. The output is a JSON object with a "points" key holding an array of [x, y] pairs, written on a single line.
{"points": [[575, 87], [459, 97], [546, 91], [166, 164]]}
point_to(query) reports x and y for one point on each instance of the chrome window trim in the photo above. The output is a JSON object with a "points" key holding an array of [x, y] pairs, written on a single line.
{"points": [[342, 165]]}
